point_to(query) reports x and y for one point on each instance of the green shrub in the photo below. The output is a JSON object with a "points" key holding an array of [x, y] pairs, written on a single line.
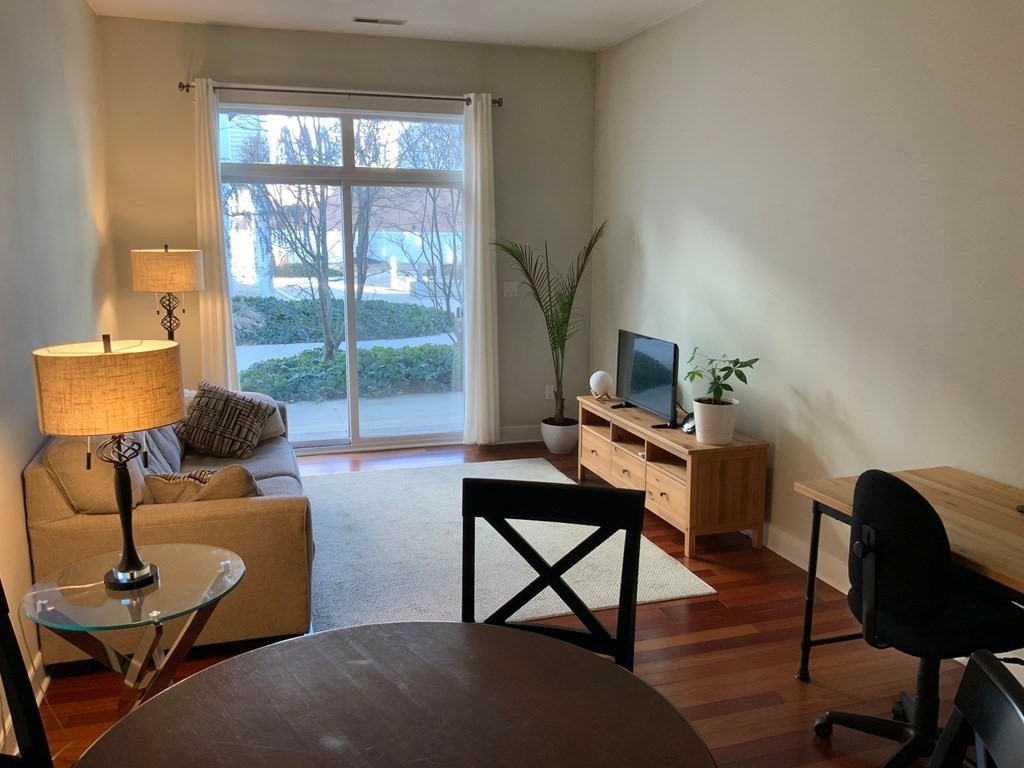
{"points": [[298, 269], [269, 320], [383, 372]]}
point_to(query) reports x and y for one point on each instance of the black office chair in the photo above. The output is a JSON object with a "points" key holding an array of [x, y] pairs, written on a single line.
{"points": [[990, 705], [609, 509], [34, 752], [908, 594]]}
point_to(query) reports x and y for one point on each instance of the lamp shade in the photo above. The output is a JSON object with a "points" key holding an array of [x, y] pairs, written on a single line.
{"points": [[162, 270], [83, 390]]}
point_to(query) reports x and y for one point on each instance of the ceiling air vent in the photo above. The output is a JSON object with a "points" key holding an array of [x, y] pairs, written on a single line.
{"points": [[369, 20]]}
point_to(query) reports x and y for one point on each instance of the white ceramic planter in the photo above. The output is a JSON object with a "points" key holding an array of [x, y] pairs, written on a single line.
{"points": [[715, 423], [560, 439]]}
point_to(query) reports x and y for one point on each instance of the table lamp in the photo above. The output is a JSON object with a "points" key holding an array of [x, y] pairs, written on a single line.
{"points": [[111, 388], [168, 271]]}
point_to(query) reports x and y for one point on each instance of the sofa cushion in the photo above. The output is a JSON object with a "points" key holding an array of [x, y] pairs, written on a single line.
{"points": [[223, 423], [269, 459], [232, 482], [165, 451], [281, 485], [90, 491]]}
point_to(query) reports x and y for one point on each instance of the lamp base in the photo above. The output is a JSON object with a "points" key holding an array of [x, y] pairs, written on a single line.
{"points": [[123, 581]]}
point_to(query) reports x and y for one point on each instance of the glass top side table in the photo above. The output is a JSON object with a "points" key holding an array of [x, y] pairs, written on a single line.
{"points": [[74, 603]]}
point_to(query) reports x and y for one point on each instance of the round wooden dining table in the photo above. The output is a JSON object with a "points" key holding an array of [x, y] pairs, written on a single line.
{"points": [[407, 694]]}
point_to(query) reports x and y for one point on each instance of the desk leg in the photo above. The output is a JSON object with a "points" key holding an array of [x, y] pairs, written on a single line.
{"points": [[812, 573]]}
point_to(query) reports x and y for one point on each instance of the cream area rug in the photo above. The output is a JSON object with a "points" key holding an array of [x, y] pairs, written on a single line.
{"points": [[388, 548]]}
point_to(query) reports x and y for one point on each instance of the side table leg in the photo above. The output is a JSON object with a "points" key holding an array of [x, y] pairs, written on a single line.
{"points": [[177, 652], [812, 571], [136, 674]]}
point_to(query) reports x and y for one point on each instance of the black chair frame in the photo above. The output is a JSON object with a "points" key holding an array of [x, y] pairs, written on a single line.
{"points": [[917, 719], [34, 751], [989, 707], [610, 510]]}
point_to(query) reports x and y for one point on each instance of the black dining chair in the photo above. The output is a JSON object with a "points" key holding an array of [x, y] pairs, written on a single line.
{"points": [[908, 594], [609, 510], [989, 705], [27, 726]]}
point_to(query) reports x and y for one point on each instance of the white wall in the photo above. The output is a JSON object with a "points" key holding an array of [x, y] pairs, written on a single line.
{"points": [[837, 188], [543, 139], [55, 279]]}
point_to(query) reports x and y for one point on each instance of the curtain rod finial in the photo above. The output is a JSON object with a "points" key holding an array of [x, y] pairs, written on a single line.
{"points": [[497, 102], [186, 87]]}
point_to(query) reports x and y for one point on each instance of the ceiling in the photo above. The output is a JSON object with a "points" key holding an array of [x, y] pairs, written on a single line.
{"points": [[589, 25]]}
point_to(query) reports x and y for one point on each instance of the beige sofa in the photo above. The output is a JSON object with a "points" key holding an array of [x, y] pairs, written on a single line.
{"points": [[71, 514]]}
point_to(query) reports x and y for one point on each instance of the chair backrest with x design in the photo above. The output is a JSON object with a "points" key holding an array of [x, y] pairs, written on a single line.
{"points": [[609, 510], [34, 751]]}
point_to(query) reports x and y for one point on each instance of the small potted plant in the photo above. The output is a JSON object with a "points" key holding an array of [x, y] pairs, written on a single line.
{"points": [[555, 295], [714, 414]]}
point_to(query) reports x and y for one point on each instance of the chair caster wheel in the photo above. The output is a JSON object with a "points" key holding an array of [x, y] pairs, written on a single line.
{"points": [[823, 728]]}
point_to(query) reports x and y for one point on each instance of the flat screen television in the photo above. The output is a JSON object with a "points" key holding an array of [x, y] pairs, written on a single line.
{"points": [[646, 374]]}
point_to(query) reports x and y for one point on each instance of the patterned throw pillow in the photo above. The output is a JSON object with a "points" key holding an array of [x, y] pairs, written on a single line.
{"points": [[231, 482], [223, 423]]}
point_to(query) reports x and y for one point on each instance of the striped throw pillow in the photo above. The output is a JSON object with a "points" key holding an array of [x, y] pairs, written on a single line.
{"points": [[223, 423]]}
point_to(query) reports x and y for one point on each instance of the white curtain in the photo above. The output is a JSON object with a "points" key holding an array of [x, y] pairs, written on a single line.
{"points": [[217, 336], [480, 265]]}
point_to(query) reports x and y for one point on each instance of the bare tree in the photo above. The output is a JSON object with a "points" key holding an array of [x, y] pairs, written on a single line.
{"points": [[369, 152], [433, 218], [298, 217], [305, 220]]}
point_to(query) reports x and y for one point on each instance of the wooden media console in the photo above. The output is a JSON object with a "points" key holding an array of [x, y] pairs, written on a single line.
{"points": [[695, 487]]}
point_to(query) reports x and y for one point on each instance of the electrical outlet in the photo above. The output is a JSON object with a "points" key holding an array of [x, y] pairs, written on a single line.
{"points": [[511, 288], [549, 392]]}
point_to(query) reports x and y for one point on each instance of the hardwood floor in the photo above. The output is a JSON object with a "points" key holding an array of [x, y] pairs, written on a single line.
{"points": [[726, 661]]}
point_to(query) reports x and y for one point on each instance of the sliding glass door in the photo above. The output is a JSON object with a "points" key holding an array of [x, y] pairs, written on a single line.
{"points": [[344, 241]]}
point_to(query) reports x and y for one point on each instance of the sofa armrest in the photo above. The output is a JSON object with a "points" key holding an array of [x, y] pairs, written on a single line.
{"points": [[234, 524], [272, 534]]}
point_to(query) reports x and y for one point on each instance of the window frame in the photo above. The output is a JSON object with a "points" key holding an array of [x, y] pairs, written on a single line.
{"points": [[346, 176]]}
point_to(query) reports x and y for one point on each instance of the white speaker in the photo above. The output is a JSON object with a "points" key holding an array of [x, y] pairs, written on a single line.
{"points": [[601, 385]]}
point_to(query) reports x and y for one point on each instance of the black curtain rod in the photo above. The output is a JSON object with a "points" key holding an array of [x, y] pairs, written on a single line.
{"points": [[186, 87]]}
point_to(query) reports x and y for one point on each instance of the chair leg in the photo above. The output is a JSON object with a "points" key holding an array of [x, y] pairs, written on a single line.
{"points": [[908, 754], [877, 726], [926, 707], [919, 734]]}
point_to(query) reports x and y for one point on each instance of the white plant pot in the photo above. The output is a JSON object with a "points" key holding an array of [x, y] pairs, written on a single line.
{"points": [[560, 439], [715, 423]]}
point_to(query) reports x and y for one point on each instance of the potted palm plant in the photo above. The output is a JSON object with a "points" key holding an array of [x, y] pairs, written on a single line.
{"points": [[715, 414], [555, 294]]}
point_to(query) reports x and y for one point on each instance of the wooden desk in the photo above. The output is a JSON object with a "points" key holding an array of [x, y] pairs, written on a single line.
{"points": [[985, 530], [423, 694]]}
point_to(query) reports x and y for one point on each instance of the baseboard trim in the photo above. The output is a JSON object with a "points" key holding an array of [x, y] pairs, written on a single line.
{"points": [[832, 570], [529, 433]]}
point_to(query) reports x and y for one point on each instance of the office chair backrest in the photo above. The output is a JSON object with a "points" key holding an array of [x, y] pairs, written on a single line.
{"points": [[989, 703], [911, 551], [610, 510], [21, 701]]}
